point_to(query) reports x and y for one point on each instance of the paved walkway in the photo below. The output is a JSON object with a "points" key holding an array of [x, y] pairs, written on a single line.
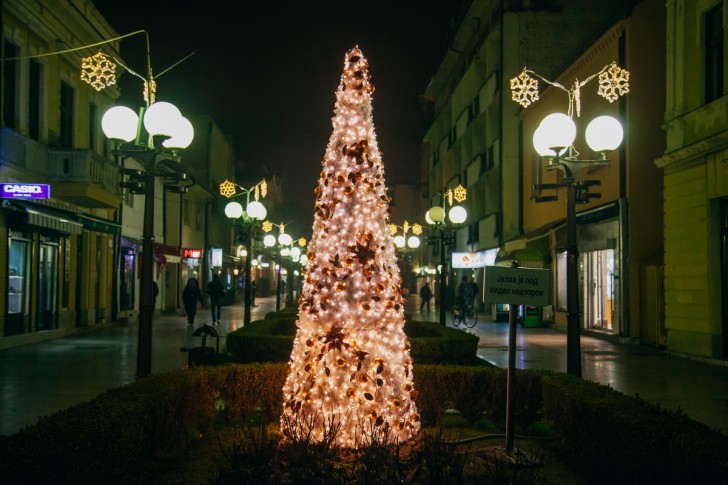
{"points": [[40, 379]]}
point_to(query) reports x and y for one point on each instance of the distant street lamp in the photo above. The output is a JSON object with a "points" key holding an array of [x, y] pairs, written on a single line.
{"points": [[436, 216], [553, 141], [154, 136], [282, 243], [250, 217]]}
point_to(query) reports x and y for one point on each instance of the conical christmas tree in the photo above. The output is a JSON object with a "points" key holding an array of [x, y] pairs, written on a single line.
{"points": [[350, 374]]}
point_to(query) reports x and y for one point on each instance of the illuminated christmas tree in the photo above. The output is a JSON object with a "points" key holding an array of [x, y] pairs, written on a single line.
{"points": [[350, 373]]}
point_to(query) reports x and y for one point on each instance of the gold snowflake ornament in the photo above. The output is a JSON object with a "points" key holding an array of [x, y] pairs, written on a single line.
{"points": [[459, 193], [416, 229], [267, 226], [227, 189], [524, 89], [613, 82], [98, 71]]}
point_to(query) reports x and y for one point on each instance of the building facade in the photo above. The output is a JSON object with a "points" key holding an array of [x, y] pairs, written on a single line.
{"points": [[57, 251], [619, 233], [474, 138], [696, 179]]}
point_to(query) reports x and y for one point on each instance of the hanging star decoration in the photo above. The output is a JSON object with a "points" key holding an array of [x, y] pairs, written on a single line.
{"points": [[613, 82], [524, 89], [98, 71], [227, 189]]}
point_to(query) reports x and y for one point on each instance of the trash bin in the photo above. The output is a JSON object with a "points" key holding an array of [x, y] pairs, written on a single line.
{"points": [[532, 317], [203, 355]]}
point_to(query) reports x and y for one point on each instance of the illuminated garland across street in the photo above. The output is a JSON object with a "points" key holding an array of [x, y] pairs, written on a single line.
{"points": [[350, 372]]}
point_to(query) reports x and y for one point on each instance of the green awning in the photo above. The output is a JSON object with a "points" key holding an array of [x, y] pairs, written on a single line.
{"points": [[535, 251], [98, 224]]}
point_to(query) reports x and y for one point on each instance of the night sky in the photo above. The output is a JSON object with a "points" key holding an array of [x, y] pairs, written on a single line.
{"points": [[267, 72]]}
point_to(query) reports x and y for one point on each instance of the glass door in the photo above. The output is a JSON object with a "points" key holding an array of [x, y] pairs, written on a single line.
{"points": [[47, 287], [598, 289]]}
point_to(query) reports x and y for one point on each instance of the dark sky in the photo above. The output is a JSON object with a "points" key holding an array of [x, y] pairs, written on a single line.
{"points": [[267, 72]]}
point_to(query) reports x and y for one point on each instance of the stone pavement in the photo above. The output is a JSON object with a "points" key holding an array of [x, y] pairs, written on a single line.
{"points": [[39, 379]]}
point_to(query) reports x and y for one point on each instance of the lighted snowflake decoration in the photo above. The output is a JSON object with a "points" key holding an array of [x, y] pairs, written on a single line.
{"points": [[416, 229], [459, 193], [98, 71], [227, 189], [524, 89], [392, 229], [267, 226], [302, 242], [613, 82]]}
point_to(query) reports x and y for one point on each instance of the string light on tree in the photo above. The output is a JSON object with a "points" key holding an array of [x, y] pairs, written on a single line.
{"points": [[350, 369]]}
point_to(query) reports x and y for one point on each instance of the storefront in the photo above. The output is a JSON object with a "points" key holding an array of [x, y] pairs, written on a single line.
{"points": [[39, 249]]}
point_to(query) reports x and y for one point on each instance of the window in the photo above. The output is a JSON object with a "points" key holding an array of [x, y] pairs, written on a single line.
{"points": [[186, 212], [474, 108], [474, 233], [10, 94], [92, 113], [66, 138], [34, 100], [714, 53]]}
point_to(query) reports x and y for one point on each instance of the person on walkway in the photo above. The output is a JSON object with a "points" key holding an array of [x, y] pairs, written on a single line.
{"points": [[473, 287], [215, 291], [190, 296], [462, 294], [253, 289], [425, 295]]}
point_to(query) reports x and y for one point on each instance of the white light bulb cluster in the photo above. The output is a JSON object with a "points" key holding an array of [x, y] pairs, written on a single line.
{"points": [[350, 363]]}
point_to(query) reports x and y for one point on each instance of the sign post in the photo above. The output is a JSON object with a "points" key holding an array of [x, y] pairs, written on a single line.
{"points": [[515, 286]]}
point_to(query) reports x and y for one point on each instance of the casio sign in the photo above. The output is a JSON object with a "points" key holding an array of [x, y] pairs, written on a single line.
{"points": [[33, 191], [23, 189]]}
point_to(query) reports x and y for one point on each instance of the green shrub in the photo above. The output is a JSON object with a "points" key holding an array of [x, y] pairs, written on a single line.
{"points": [[271, 340], [606, 436]]}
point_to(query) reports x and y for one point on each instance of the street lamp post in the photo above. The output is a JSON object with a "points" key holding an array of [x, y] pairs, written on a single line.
{"points": [[456, 214], [281, 243], [553, 141], [404, 245], [168, 131], [250, 216]]}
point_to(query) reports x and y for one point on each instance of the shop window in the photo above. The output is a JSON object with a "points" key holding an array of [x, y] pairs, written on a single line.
{"points": [[561, 279], [18, 285]]}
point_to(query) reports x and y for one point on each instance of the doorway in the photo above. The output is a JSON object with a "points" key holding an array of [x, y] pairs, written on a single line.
{"points": [[598, 290]]}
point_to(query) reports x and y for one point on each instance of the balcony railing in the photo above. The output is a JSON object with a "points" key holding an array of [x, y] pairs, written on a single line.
{"points": [[83, 165]]}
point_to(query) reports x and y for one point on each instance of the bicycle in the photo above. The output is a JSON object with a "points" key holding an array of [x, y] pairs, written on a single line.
{"points": [[465, 315]]}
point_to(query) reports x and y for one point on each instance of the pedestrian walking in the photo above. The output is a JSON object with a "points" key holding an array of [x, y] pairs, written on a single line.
{"points": [[215, 290], [425, 296], [473, 292], [190, 296]]}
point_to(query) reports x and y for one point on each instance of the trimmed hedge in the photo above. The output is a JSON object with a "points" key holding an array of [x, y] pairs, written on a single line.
{"points": [[271, 340], [607, 436]]}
